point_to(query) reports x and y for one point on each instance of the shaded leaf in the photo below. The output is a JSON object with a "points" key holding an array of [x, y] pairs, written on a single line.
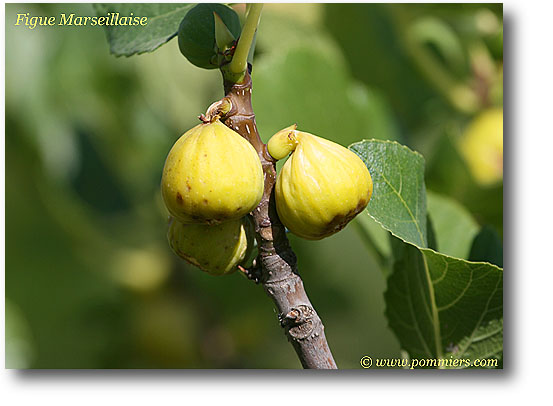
{"points": [[300, 77], [487, 247], [437, 304], [373, 29], [19, 348], [443, 39], [448, 173], [486, 343], [379, 238], [163, 24], [398, 202], [455, 228], [431, 234]]}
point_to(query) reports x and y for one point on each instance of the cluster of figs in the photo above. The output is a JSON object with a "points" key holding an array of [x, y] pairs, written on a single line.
{"points": [[212, 180]]}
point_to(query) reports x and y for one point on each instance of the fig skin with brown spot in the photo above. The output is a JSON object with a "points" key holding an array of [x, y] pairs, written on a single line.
{"points": [[321, 187], [211, 175]]}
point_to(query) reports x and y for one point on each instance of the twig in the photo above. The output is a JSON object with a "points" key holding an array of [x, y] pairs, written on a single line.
{"points": [[277, 262]]}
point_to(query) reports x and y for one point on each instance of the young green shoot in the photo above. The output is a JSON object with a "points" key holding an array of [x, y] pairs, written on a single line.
{"points": [[239, 62]]}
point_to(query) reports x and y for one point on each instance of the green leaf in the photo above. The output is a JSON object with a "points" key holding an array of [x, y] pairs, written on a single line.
{"points": [[431, 234], [299, 76], [437, 305], [454, 226], [305, 87], [377, 237], [486, 343], [197, 40], [440, 306], [443, 39], [163, 24], [448, 173], [19, 345], [487, 247], [372, 47], [398, 202]]}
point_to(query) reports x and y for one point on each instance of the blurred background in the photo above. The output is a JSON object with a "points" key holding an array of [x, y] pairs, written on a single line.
{"points": [[90, 279]]}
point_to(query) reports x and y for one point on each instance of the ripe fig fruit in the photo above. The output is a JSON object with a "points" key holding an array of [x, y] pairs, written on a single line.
{"points": [[482, 147], [215, 249], [321, 187], [211, 175]]}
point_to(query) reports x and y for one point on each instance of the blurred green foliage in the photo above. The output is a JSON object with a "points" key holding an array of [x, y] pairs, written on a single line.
{"points": [[90, 279]]}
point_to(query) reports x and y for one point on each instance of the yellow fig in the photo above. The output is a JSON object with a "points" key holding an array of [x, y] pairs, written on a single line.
{"points": [[211, 175], [321, 187], [482, 147], [216, 249]]}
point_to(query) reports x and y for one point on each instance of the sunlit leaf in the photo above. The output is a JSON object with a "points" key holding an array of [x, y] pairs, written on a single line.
{"points": [[398, 202], [162, 25]]}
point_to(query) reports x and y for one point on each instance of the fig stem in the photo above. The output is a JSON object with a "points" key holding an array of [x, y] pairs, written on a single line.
{"points": [[239, 62], [276, 264]]}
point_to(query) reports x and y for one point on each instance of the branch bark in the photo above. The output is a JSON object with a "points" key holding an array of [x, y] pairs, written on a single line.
{"points": [[276, 263]]}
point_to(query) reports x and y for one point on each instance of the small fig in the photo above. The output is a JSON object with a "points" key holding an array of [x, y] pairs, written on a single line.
{"points": [[321, 187], [482, 147], [211, 175], [215, 249], [197, 33]]}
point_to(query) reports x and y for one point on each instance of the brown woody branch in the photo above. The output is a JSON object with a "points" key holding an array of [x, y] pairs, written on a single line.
{"points": [[276, 264]]}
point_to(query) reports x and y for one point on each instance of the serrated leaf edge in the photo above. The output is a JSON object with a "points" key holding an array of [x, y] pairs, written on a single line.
{"points": [[422, 250], [98, 6], [419, 156], [387, 142]]}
